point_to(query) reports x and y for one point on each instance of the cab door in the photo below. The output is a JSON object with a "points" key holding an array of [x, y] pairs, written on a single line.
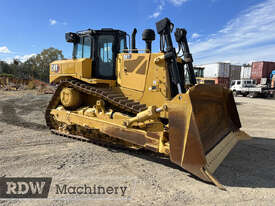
{"points": [[105, 61]]}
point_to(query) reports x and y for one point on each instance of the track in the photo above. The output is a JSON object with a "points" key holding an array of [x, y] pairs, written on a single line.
{"points": [[114, 98]]}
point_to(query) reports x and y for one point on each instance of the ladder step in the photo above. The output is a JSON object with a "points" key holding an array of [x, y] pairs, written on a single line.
{"points": [[132, 104], [125, 101]]}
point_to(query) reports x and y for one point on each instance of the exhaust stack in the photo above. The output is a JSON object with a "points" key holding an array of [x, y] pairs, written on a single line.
{"points": [[133, 43]]}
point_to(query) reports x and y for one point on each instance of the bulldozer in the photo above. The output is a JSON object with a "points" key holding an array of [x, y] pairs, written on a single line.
{"points": [[112, 92]]}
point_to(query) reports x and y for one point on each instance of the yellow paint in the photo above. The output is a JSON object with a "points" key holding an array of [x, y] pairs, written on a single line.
{"points": [[78, 68], [157, 86], [150, 88], [127, 75]]}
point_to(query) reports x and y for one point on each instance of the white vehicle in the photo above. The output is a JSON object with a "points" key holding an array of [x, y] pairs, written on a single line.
{"points": [[248, 87]]}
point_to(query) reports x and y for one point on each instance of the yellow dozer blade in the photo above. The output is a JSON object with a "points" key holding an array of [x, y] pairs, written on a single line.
{"points": [[203, 128]]}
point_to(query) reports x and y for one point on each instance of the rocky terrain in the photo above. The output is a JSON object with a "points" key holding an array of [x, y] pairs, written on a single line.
{"points": [[28, 149]]}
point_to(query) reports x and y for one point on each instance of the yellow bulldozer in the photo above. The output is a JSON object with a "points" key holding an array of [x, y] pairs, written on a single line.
{"points": [[135, 98]]}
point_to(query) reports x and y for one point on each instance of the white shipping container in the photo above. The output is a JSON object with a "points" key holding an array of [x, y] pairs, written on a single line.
{"points": [[216, 70], [245, 72]]}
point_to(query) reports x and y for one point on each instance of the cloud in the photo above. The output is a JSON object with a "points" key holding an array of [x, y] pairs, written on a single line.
{"points": [[155, 15], [247, 37], [195, 35], [158, 10], [162, 4], [52, 21], [24, 57], [20, 58], [266, 54], [178, 2], [4, 50]]}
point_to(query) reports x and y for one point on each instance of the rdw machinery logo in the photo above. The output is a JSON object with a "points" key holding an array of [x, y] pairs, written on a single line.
{"points": [[19, 187]]}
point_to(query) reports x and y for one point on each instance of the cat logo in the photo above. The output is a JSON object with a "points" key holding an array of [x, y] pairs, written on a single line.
{"points": [[55, 68]]}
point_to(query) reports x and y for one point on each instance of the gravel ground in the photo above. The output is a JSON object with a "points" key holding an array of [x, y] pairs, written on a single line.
{"points": [[27, 149]]}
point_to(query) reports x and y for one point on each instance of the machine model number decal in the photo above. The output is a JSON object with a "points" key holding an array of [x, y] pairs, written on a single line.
{"points": [[55, 68], [127, 56]]}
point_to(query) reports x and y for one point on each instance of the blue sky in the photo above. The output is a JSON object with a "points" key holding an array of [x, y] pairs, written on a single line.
{"points": [[236, 31]]}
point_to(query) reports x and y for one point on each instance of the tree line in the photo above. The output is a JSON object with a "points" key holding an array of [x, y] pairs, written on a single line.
{"points": [[36, 67]]}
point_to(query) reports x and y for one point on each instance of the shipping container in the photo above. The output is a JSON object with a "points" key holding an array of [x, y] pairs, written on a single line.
{"points": [[235, 72], [216, 70], [223, 81], [245, 73], [198, 71], [261, 70]]}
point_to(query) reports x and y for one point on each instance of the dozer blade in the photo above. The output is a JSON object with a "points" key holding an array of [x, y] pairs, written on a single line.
{"points": [[203, 127]]}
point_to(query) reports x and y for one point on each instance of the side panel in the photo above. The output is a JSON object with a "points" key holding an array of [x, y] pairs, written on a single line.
{"points": [[84, 68], [151, 82], [77, 68], [157, 86], [132, 70]]}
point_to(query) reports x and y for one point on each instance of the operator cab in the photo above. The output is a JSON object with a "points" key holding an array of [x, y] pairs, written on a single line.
{"points": [[102, 46]]}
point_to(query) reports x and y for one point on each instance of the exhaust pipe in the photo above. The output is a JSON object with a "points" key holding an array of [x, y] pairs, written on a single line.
{"points": [[133, 43]]}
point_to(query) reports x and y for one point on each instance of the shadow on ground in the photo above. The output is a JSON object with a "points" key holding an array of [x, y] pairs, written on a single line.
{"points": [[250, 164], [12, 112], [239, 103]]}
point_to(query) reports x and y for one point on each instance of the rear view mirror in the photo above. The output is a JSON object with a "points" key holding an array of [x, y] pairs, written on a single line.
{"points": [[71, 37]]}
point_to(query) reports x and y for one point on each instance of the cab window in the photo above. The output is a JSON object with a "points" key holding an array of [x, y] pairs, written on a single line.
{"points": [[83, 48], [87, 47], [122, 45], [79, 47], [105, 44], [238, 82]]}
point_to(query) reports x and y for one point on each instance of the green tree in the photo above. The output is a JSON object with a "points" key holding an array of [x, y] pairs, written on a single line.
{"points": [[247, 65], [35, 67], [4, 67], [39, 64]]}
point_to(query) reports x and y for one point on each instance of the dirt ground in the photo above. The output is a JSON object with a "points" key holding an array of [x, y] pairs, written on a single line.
{"points": [[27, 149]]}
